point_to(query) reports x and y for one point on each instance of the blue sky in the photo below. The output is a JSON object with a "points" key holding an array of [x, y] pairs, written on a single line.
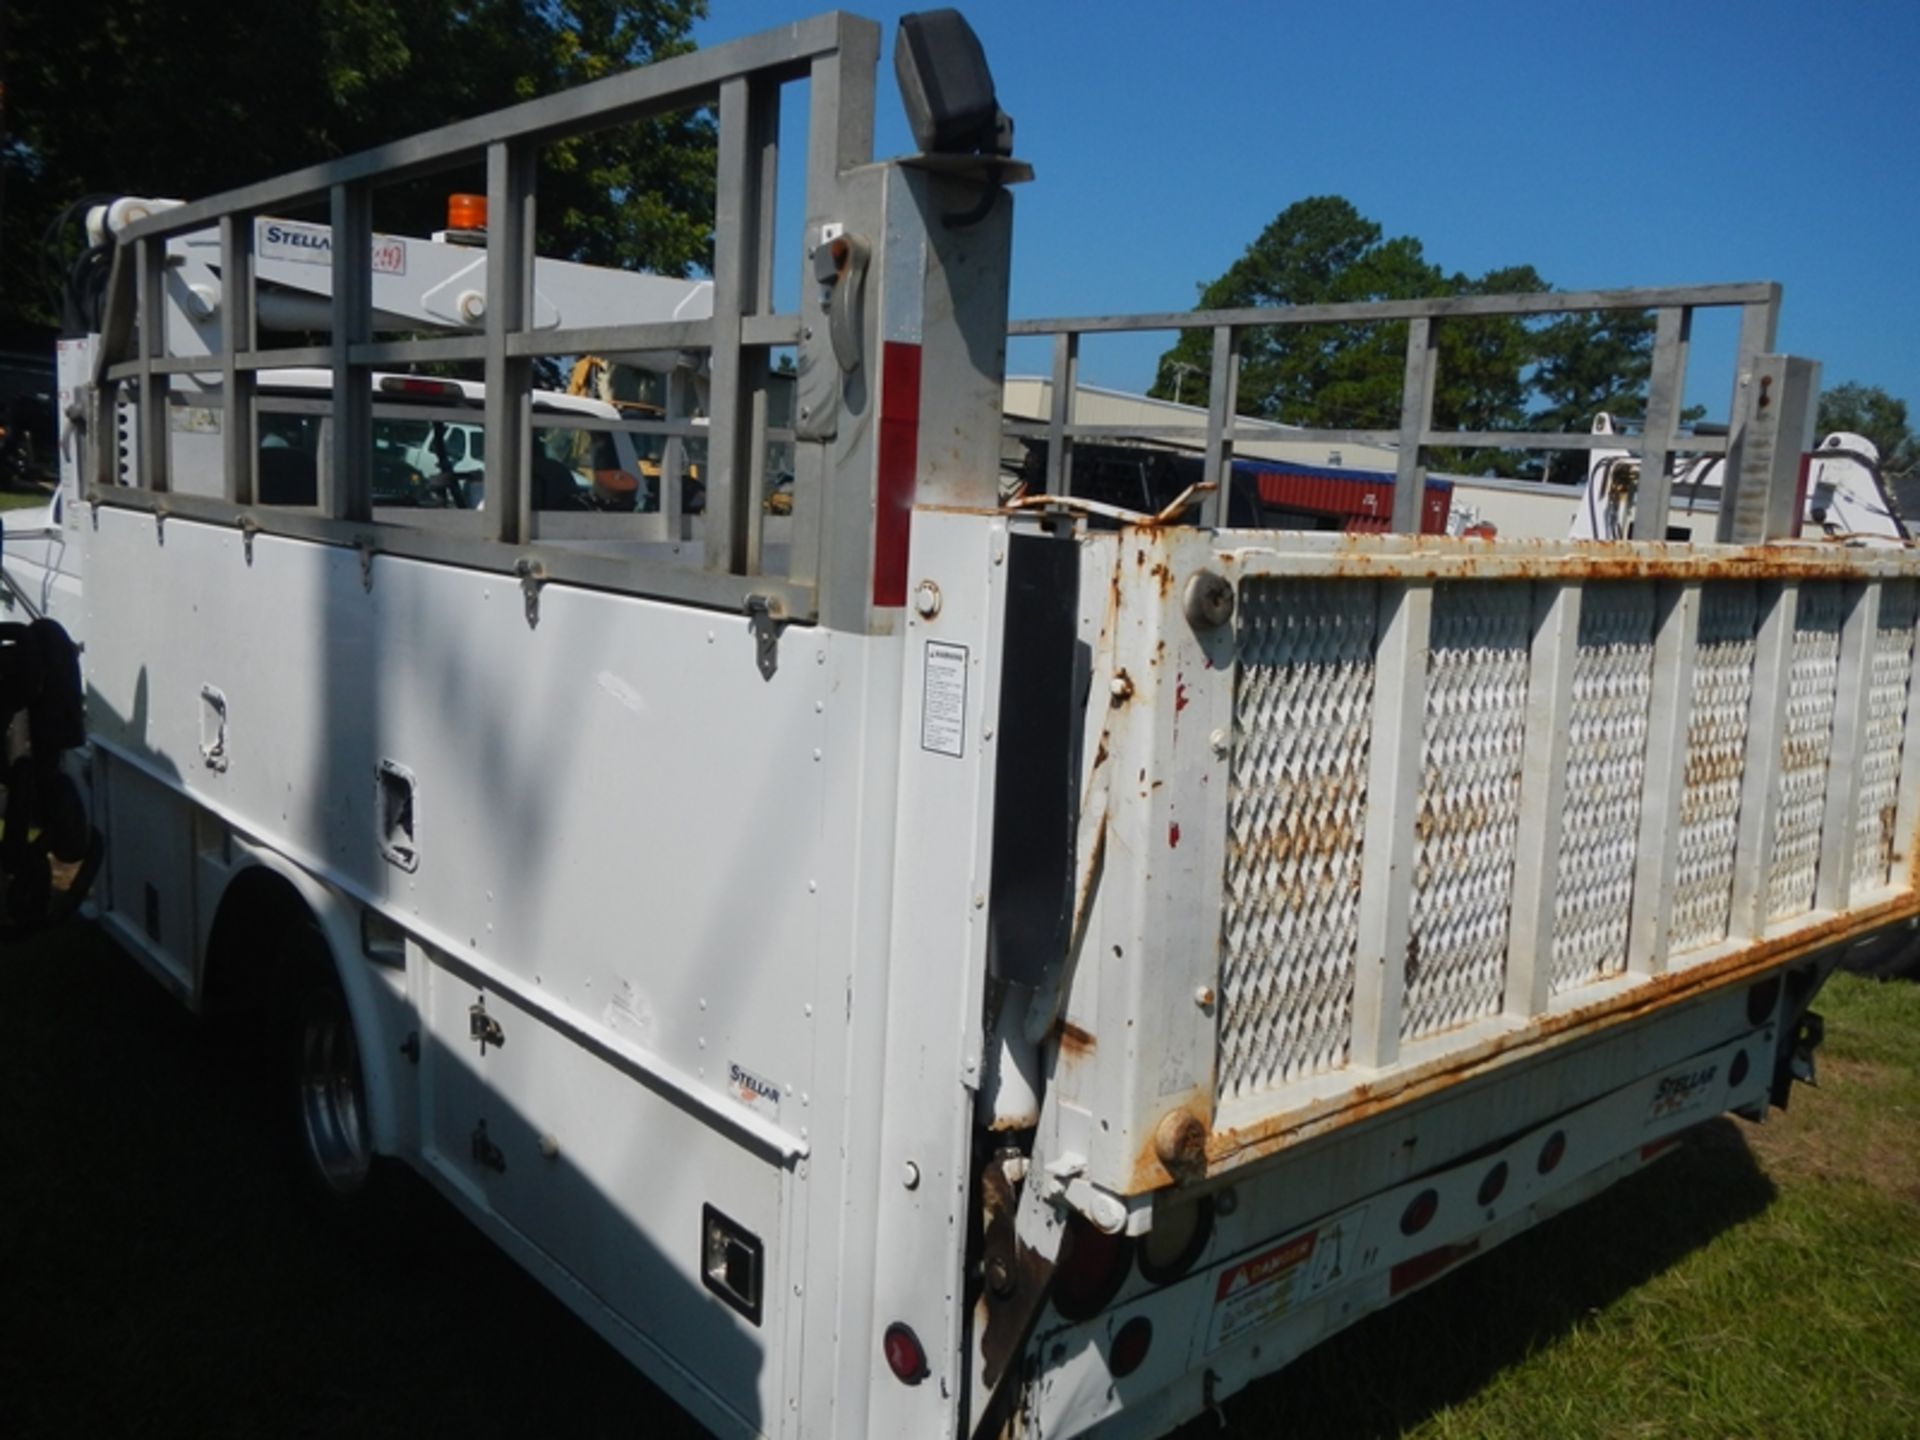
{"points": [[1633, 144]]}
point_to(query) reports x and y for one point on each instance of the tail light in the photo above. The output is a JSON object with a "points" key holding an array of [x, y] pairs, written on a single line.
{"points": [[1420, 1212], [1130, 1347], [1177, 1240], [1091, 1269], [905, 1355]]}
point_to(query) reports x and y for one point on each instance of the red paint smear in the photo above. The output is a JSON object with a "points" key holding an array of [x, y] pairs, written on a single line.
{"points": [[897, 470], [1173, 834], [1179, 695], [1422, 1268]]}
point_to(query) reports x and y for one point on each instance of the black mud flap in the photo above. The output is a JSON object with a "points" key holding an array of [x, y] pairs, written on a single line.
{"points": [[1801, 1030]]}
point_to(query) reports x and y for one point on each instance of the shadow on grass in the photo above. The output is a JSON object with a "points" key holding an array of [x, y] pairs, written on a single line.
{"points": [[1439, 1347], [163, 1271]]}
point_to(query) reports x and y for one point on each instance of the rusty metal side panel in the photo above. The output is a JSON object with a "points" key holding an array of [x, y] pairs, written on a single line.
{"points": [[1605, 775], [1709, 803], [1303, 697], [1469, 807], [1886, 731], [1227, 973], [1811, 687]]}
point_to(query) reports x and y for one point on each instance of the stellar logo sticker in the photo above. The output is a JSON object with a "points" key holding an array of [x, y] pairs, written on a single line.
{"points": [[1682, 1094], [1263, 1288], [752, 1091], [313, 245]]}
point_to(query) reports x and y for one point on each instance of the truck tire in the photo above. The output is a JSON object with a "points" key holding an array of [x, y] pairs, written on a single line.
{"points": [[332, 1131]]}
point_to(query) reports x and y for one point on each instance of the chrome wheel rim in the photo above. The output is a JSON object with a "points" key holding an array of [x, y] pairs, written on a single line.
{"points": [[332, 1105]]}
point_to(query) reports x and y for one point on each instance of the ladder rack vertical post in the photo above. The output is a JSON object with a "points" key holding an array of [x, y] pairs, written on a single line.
{"points": [[510, 230], [831, 527], [764, 147], [153, 456], [1066, 380], [1416, 411], [1759, 329], [238, 338], [737, 268], [1223, 400], [346, 488], [1672, 332]]}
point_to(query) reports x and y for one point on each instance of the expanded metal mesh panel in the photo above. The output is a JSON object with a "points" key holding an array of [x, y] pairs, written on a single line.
{"points": [[1606, 772], [1814, 673], [1709, 806], [1469, 804], [1296, 806], [1886, 729]]}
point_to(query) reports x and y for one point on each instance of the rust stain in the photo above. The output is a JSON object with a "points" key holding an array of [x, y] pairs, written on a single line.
{"points": [[1442, 557], [1231, 1149], [1163, 577], [1180, 1144], [1075, 1043], [1180, 701], [1173, 835]]}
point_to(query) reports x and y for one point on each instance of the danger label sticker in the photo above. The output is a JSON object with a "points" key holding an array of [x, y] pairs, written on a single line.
{"points": [[1263, 1288]]}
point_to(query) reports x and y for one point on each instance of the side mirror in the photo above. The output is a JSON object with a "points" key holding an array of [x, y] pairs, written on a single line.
{"points": [[947, 88]]}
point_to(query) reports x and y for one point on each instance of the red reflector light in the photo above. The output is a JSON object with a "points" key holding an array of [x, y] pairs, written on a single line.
{"points": [[904, 1356], [1422, 1268], [1092, 1267], [1130, 1347], [1494, 1184], [1420, 1212], [1553, 1152], [415, 385]]}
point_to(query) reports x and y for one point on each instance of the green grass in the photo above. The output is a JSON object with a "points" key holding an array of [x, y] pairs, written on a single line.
{"points": [[1762, 1281], [23, 499]]}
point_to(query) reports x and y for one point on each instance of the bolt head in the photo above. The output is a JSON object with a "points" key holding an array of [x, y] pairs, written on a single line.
{"points": [[1209, 600]]}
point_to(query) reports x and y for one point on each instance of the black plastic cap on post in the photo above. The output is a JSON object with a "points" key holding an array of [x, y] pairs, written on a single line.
{"points": [[947, 88]]}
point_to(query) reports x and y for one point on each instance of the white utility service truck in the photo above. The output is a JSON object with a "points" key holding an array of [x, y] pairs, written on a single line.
{"points": [[907, 964]]}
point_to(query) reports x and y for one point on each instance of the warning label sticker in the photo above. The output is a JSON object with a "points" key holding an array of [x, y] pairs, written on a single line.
{"points": [[943, 709], [1262, 1288]]}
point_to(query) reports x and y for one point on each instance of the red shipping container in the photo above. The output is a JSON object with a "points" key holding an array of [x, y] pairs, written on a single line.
{"points": [[1362, 500]]}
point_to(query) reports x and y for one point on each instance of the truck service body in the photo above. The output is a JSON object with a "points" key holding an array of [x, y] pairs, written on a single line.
{"points": [[919, 965]]}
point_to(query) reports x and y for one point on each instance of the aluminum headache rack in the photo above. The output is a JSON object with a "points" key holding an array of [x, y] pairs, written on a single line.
{"points": [[1757, 375], [735, 560]]}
